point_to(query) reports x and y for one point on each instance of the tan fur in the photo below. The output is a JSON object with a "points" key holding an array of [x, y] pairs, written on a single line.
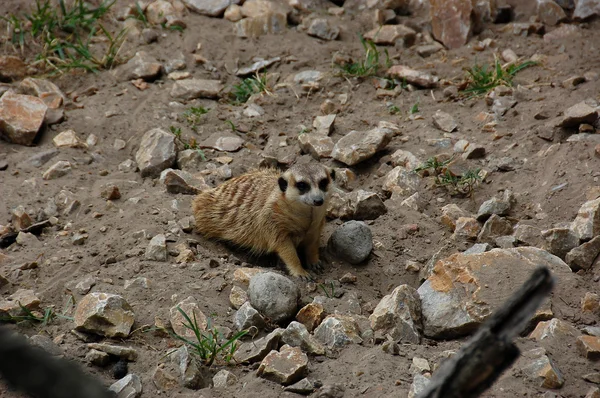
{"points": [[252, 211]]}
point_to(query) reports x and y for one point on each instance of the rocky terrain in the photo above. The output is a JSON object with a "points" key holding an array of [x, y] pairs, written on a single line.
{"points": [[466, 142]]}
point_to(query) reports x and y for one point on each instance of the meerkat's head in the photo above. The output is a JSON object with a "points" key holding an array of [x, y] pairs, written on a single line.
{"points": [[307, 183]]}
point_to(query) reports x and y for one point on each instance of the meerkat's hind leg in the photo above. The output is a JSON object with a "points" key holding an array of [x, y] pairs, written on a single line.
{"points": [[311, 249]]}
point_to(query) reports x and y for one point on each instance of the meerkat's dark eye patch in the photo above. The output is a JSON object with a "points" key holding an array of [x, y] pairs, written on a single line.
{"points": [[323, 184], [282, 184], [302, 186]]}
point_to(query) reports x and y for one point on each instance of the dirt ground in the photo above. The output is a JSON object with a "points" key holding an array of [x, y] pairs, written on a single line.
{"points": [[113, 252]]}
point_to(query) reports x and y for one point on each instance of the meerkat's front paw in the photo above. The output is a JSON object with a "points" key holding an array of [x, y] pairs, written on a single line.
{"points": [[317, 266]]}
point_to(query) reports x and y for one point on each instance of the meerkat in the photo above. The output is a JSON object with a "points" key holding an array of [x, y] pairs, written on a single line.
{"points": [[267, 211]]}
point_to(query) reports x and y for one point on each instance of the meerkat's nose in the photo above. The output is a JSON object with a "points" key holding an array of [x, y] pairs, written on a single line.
{"points": [[318, 202]]}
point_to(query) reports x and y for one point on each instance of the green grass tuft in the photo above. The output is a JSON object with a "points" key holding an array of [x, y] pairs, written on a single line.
{"points": [[209, 345], [483, 79], [250, 86], [369, 65]]}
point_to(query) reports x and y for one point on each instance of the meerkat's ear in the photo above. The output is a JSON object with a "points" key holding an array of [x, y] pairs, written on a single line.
{"points": [[282, 184], [332, 174]]}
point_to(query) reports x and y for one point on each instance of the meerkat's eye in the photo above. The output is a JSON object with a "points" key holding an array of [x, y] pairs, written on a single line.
{"points": [[323, 184], [302, 186]]}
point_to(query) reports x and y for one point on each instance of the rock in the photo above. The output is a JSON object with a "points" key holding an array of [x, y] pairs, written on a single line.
{"points": [[233, 13], [583, 256], [402, 182], [352, 242], [296, 335], [418, 385], [129, 386], [593, 392], [319, 146], [412, 76], [311, 315], [528, 235], [473, 151], [110, 192], [189, 89], [126, 353], [237, 297], [451, 21], [389, 34], [141, 66], [338, 330], [14, 303], [358, 146], [158, 11], [585, 9], [224, 379], [128, 166], [587, 222], [428, 50], [247, 317], [157, 249], [163, 380], [189, 369], [41, 158], [419, 366], [308, 76], [254, 351], [157, 152], [285, 367], [478, 248], [537, 367], [243, 275], [405, 159], [46, 344], [104, 314], [500, 207], [20, 219], [212, 8], [454, 299], [321, 28], [97, 358], [57, 170], [357, 205], [178, 321], [444, 121], [304, 387], [509, 55], [550, 13], [189, 159], [274, 296], [589, 347], [21, 117], [43, 89], [590, 303], [493, 228], [255, 8], [578, 114], [398, 314], [12, 68], [466, 228], [79, 239], [269, 22], [179, 181], [227, 142], [450, 214], [560, 241], [257, 66], [324, 124], [554, 331]]}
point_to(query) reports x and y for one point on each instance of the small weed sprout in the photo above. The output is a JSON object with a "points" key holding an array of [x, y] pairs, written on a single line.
{"points": [[187, 144], [458, 185], [329, 293], [415, 108], [393, 109], [249, 86], [29, 316], [369, 66], [193, 116], [209, 345], [483, 79], [231, 125]]}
